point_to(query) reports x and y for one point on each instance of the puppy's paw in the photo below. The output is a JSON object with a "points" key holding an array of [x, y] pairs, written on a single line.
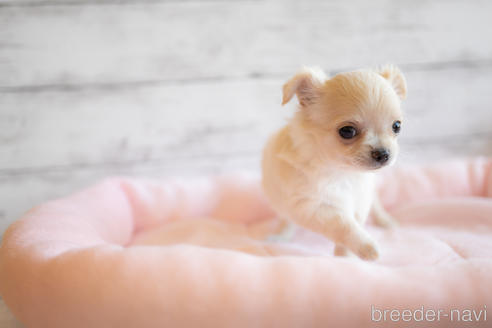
{"points": [[368, 251]]}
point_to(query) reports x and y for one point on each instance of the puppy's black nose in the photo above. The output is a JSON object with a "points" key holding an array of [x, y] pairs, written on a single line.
{"points": [[380, 155]]}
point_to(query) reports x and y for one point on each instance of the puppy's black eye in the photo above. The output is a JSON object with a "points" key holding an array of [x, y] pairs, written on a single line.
{"points": [[347, 132], [396, 126]]}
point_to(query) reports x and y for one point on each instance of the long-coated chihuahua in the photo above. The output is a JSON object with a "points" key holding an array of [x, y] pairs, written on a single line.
{"points": [[318, 170]]}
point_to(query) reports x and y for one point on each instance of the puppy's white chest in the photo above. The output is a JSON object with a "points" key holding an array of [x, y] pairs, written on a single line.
{"points": [[352, 194]]}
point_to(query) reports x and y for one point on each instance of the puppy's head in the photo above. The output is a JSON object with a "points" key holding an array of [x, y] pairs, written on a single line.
{"points": [[352, 119]]}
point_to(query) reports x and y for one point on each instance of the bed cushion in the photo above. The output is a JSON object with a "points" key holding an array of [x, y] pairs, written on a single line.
{"points": [[188, 252]]}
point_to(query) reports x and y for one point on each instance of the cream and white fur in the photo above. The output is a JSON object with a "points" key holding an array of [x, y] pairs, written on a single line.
{"points": [[317, 179]]}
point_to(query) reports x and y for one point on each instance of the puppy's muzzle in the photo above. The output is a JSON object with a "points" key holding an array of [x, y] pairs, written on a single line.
{"points": [[380, 155]]}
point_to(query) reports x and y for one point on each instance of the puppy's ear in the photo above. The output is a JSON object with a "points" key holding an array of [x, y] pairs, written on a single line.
{"points": [[305, 84], [396, 79]]}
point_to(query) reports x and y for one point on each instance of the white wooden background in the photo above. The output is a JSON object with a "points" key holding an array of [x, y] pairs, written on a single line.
{"points": [[154, 88], [93, 88]]}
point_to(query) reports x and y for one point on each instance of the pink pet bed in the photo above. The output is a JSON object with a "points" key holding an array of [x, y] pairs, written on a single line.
{"points": [[133, 253]]}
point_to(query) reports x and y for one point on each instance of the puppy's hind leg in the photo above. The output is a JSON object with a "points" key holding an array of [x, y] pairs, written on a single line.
{"points": [[285, 233], [341, 250], [381, 217]]}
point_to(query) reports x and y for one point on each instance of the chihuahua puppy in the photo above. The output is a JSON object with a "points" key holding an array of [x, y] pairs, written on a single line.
{"points": [[318, 171]]}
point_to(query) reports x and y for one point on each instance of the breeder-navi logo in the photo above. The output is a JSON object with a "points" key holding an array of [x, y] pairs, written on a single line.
{"points": [[429, 315]]}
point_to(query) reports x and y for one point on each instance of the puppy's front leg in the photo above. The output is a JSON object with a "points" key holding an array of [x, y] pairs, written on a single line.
{"points": [[343, 230], [381, 217]]}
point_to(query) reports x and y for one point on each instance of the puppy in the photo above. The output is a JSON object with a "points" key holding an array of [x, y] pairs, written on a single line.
{"points": [[318, 171]]}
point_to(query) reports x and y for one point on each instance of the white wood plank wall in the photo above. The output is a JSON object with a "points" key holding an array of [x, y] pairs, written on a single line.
{"points": [[154, 88]]}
